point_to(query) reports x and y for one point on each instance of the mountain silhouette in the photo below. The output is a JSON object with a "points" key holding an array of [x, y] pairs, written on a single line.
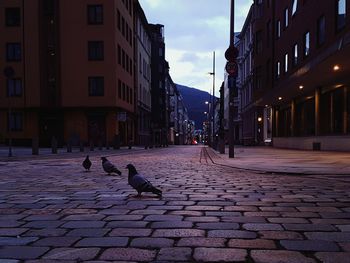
{"points": [[194, 101]]}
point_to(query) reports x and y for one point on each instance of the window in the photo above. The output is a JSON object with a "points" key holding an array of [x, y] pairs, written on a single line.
{"points": [[278, 29], [14, 88], [95, 14], [95, 50], [286, 17], [15, 121], [96, 86], [321, 30], [13, 16], [278, 69], [295, 54], [286, 63], [294, 7], [341, 14], [119, 20], [306, 44], [13, 52]]}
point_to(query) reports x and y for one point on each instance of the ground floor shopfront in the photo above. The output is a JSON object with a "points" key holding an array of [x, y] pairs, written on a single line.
{"points": [[93, 127], [319, 121]]}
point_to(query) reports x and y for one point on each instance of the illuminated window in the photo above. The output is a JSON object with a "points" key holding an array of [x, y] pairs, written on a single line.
{"points": [[341, 14], [307, 44], [294, 7]]}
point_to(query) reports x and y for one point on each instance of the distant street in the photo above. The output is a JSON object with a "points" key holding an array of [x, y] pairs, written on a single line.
{"points": [[52, 210]]}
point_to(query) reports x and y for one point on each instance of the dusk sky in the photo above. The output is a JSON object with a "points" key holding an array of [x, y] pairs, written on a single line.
{"points": [[193, 30]]}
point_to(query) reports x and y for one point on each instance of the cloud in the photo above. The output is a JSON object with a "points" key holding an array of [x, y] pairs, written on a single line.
{"points": [[193, 30]]}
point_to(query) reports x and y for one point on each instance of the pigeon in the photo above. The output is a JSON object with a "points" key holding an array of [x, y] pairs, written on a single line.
{"points": [[87, 163], [108, 167], [139, 183]]}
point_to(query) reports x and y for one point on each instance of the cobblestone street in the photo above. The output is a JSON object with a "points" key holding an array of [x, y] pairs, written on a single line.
{"points": [[53, 211]]}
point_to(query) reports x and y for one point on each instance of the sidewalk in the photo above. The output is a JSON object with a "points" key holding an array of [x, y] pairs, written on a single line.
{"points": [[25, 153], [286, 161]]}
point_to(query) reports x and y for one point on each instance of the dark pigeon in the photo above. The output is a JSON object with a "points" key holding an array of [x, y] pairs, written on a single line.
{"points": [[139, 183], [108, 167], [87, 163]]}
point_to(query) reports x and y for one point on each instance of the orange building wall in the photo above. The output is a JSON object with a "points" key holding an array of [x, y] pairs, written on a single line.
{"points": [[75, 124]]}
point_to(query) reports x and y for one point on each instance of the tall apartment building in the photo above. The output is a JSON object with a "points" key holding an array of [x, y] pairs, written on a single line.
{"points": [[74, 75], [301, 72], [159, 93], [142, 74]]}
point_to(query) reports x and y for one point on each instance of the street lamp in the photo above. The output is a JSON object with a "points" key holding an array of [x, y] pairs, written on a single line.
{"points": [[213, 102]]}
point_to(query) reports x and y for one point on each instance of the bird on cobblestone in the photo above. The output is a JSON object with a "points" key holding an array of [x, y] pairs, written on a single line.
{"points": [[108, 167], [87, 163], [140, 183]]}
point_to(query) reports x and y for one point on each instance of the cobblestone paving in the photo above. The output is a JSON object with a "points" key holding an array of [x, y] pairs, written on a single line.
{"points": [[53, 211]]}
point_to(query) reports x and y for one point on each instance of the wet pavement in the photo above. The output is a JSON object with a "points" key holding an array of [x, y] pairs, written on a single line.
{"points": [[53, 211]]}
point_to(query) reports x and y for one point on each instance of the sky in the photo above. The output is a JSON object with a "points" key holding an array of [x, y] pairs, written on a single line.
{"points": [[193, 30]]}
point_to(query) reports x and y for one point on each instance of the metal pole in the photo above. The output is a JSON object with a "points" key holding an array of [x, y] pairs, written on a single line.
{"points": [[213, 103], [10, 128], [231, 126]]}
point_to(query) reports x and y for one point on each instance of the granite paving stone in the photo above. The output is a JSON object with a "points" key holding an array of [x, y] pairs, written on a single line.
{"points": [[128, 254], [45, 232], [172, 224], [22, 252], [145, 242], [79, 254], [16, 241], [333, 257], [57, 241], [12, 231], [220, 255], [252, 243], [103, 242], [84, 224], [309, 245], [86, 232], [309, 227], [231, 234], [208, 212], [178, 233], [334, 236], [174, 254], [201, 242], [131, 232], [279, 256]]}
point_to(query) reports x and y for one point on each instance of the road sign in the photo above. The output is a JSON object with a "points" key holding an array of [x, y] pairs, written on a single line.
{"points": [[232, 68], [231, 53]]}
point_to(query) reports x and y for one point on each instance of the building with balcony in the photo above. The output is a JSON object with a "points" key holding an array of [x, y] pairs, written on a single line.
{"points": [[74, 71]]}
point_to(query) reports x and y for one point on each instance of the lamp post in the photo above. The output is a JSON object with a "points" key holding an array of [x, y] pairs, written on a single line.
{"points": [[232, 69], [213, 104], [9, 72]]}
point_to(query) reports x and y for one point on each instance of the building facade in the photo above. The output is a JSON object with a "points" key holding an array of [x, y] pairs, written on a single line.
{"points": [[143, 47], [159, 68], [301, 73], [74, 75]]}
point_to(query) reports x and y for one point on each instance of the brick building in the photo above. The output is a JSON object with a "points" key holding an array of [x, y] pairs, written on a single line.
{"points": [[74, 75]]}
